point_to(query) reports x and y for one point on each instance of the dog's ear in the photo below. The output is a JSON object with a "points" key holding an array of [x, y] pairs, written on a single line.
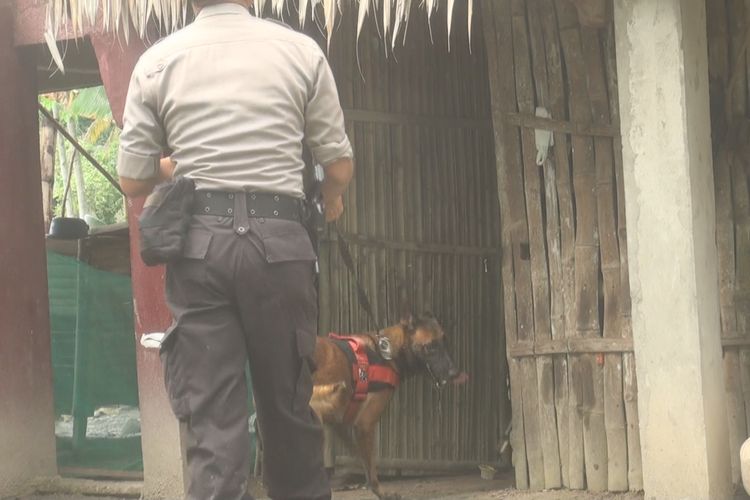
{"points": [[407, 321]]}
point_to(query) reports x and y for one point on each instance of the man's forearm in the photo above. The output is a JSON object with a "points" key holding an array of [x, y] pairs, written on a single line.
{"points": [[135, 188], [337, 177]]}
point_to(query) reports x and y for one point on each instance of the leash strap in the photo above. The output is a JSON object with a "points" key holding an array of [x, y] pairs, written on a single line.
{"points": [[364, 301]]}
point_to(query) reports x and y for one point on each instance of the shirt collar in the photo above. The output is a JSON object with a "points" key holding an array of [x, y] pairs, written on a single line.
{"points": [[221, 9]]}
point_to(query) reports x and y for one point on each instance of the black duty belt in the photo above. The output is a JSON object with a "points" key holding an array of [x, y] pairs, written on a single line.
{"points": [[259, 205]]}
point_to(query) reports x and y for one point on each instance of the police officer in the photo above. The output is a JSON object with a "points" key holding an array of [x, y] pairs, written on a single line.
{"points": [[233, 98]]}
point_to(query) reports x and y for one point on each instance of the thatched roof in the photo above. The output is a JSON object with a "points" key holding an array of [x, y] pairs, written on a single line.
{"points": [[114, 15]]}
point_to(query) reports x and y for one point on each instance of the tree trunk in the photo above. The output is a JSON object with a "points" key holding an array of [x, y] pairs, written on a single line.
{"points": [[62, 154], [48, 137], [83, 208]]}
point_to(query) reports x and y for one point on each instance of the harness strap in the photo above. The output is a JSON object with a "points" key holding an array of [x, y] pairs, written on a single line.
{"points": [[363, 373]]}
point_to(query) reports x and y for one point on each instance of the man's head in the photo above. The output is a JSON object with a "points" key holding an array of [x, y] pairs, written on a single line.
{"points": [[199, 4]]}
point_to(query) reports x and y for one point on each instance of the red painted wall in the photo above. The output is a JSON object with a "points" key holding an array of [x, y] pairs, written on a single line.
{"points": [[162, 456], [26, 405]]}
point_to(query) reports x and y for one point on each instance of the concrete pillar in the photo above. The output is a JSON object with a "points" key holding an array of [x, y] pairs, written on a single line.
{"points": [[27, 438], [163, 464], [669, 193]]}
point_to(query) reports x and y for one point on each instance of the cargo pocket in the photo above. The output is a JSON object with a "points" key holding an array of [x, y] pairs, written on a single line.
{"points": [[286, 240], [306, 352], [174, 374]]}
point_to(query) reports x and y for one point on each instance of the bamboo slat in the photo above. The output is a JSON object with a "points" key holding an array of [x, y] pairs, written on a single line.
{"points": [[559, 165], [587, 437], [524, 298], [738, 109], [498, 36], [725, 35], [610, 263], [629, 386], [550, 304]]}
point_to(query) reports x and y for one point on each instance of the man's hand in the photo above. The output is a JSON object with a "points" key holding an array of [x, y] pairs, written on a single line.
{"points": [[337, 177], [334, 209], [166, 169]]}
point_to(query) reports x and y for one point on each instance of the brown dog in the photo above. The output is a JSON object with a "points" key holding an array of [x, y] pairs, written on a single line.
{"points": [[417, 345]]}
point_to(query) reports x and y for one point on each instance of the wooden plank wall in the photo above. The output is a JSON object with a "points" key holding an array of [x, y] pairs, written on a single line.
{"points": [[564, 266], [729, 73], [422, 219]]}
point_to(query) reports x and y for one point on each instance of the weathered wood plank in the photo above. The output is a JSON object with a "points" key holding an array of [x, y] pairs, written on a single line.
{"points": [[738, 405], [561, 126], [629, 387], [540, 398], [589, 371], [614, 415], [559, 166], [589, 345]]}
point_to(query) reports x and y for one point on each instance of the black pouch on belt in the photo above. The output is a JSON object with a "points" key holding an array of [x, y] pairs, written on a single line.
{"points": [[165, 220]]}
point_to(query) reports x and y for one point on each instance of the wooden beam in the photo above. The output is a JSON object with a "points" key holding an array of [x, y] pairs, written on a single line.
{"points": [[561, 126], [571, 346]]}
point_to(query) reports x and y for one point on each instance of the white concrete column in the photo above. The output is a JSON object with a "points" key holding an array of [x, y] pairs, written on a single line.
{"points": [[662, 65]]}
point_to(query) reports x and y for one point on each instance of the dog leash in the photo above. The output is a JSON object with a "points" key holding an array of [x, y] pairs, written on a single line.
{"points": [[384, 345]]}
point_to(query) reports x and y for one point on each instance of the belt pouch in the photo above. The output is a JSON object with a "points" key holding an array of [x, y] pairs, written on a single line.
{"points": [[165, 220]]}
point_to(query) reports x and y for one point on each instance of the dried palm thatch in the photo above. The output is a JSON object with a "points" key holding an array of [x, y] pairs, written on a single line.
{"points": [[75, 16]]}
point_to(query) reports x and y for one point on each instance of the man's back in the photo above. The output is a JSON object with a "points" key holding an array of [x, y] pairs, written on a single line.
{"points": [[236, 96]]}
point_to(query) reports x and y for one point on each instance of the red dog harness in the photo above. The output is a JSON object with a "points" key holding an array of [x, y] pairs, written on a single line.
{"points": [[364, 373]]}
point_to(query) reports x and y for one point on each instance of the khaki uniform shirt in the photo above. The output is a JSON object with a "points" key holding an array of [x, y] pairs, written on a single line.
{"points": [[232, 97]]}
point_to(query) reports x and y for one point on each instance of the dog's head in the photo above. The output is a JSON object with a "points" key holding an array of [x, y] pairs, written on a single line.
{"points": [[426, 343]]}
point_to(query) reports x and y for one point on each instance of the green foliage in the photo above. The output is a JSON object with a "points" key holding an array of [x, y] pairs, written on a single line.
{"points": [[95, 130]]}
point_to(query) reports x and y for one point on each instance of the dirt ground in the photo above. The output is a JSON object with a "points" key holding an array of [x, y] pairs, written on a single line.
{"points": [[465, 487], [471, 487]]}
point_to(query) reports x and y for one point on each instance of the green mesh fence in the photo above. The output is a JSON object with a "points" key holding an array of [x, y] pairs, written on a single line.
{"points": [[94, 367]]}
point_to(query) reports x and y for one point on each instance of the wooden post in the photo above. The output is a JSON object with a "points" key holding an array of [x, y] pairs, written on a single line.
{"points": [[26, 406]]}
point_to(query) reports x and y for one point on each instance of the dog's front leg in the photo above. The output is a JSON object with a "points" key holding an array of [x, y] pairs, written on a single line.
{"points": [[364, 437]]}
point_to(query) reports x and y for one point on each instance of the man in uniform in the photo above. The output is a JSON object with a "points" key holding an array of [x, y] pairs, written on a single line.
{"points": [[233, 98]]}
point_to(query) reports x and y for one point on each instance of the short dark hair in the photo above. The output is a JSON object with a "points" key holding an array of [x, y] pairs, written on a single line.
{"points": [[205, 3]]}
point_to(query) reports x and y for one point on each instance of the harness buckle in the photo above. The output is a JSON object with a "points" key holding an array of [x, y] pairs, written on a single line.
{"points": [[384, 346]]}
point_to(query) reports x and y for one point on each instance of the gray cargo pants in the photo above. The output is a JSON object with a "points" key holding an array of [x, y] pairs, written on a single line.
{"points": [[244, 290]]}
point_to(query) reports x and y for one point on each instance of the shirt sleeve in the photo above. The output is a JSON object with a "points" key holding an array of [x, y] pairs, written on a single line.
{"points": [[325, 133], [142, 137]]}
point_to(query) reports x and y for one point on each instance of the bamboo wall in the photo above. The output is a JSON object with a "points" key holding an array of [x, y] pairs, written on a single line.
{"points": [[729, 72], [422, 221], [564, 268]]}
